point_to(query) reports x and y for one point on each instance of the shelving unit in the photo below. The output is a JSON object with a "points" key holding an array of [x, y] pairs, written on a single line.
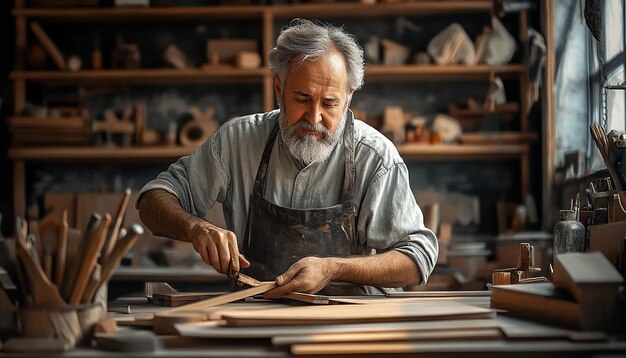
{"points": [[267, 16]]}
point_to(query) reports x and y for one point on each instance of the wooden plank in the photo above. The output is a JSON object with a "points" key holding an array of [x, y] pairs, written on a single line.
{"points": [[164, 322], [336, 314], [47, 122], [484, 293], [212, 329], [49, 45], [405, 336], [515, 328], [482, 348], [227, 298]]}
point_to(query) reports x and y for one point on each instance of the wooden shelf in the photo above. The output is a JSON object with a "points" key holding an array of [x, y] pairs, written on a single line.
{"points": [[373, 73], [357, 9], [458, 151], [352, 10], [380, 73], [146, 76], [75, 154], [163, 154]]}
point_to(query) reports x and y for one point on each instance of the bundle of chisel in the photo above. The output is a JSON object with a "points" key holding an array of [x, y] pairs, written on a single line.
{"points": [[54, 267]]}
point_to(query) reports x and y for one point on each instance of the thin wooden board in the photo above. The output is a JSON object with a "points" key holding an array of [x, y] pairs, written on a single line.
{"points": [[49, 45], [211, 329], [519, 329], [439, 294], [444, 335], [499, 347], [337, 314], [474, 301], [185, 296], [47, 122]]}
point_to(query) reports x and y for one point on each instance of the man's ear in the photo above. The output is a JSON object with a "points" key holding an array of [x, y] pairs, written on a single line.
{"points": [[277, 89]]}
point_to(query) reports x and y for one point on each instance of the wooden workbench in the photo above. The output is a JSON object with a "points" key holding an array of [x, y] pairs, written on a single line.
{"points": [[522, 338]]}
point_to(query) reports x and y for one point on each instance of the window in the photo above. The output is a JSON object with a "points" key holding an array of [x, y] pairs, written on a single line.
{"points": [[607, 78]]}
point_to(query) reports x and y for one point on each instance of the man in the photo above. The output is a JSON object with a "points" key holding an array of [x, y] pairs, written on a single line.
{"points": [[312, 198]]}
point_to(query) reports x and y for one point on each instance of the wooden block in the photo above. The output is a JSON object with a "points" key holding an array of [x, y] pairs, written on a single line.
{"points": [[227, 49], [107, 325], [609, 239], [584, 273], [248, 60], [164, 323], [594, 282], [394, 54]]}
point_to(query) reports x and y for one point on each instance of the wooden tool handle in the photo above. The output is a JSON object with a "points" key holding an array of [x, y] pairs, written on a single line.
{"points": [[72, 269], [88, 259], [61, 250], [115, 232], [121, 249], [44, 292]]}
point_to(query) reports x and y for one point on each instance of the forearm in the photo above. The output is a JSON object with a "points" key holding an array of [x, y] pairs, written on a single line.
{"points": [[162, 213], [390, 269]]}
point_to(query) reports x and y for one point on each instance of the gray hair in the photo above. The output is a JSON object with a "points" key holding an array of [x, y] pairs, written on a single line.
{"points": [[303, 40]]}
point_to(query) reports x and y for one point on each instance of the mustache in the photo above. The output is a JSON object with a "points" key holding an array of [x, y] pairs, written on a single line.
{"points": [[304, 124]]}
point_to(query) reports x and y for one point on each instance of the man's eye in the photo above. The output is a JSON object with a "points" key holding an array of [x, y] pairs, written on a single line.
{"points": [[302, 100], [331, 104]]}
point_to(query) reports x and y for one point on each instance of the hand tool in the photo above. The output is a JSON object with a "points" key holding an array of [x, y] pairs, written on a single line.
{"points": [[74, 260], [115, 232], [113, 259], [88, 260], [61, 250], [48, 230], [44, 292]]}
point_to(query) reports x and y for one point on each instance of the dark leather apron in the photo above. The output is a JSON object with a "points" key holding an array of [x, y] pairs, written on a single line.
{"points": [[276, 236]]}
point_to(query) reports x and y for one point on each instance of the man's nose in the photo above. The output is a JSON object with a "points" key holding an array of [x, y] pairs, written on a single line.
{"points": [[314, 114]]}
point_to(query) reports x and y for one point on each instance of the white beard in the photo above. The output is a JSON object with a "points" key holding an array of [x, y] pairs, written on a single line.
{"points": [[309, 149]]}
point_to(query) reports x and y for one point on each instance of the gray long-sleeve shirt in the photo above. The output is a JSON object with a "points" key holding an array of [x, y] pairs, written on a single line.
{"points": [[223, 169]]}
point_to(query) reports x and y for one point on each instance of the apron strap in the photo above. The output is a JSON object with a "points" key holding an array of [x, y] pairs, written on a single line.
{"points": [[259, 182], [350, 170]]}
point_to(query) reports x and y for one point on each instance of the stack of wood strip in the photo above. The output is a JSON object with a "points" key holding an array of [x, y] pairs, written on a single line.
{"points": [[67, 126]]}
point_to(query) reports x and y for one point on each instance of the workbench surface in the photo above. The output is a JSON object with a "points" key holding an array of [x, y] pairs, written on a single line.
{"points": [[514, 338]]}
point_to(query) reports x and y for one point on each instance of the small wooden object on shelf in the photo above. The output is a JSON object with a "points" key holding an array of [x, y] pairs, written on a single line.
{"points": [[199, 129], [225, 51], [525, 272]]}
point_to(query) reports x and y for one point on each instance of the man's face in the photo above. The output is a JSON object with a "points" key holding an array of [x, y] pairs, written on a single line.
{"points": [[314, 103]]}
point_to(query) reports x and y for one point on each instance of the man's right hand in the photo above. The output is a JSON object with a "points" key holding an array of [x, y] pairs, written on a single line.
{"points": [[217, 247]]}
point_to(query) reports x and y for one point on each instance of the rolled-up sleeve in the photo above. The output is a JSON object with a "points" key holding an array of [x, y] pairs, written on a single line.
{"points": [[197, 180], [390, 219]]}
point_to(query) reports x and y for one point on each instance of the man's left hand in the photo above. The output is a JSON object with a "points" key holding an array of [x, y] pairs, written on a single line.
{"points": [[307, 275]]}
